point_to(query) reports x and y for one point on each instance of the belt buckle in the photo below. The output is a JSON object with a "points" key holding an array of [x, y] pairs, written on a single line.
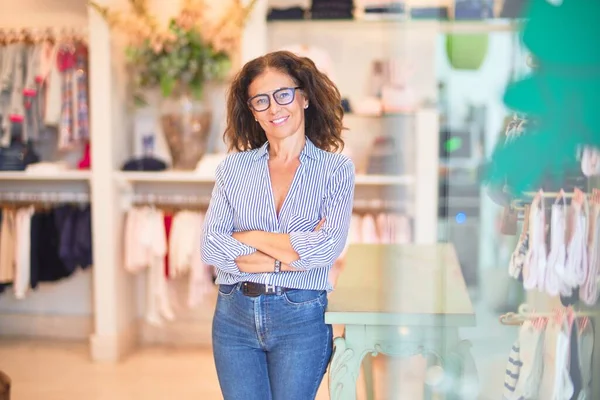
{"points": [[269, 288]]}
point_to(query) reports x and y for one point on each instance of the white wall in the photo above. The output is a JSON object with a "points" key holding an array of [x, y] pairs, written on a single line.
{"points": [[43, 13], [354, 45]]}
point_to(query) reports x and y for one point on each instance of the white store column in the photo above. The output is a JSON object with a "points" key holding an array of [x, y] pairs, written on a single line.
{"points": [[254, 38], [426, 176], [115, 332]]}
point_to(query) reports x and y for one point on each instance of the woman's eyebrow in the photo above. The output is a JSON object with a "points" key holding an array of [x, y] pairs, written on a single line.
{"points": [[271, 91]]}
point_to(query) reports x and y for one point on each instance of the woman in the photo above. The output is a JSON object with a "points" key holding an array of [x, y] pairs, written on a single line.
{"points": [[277, 221]]}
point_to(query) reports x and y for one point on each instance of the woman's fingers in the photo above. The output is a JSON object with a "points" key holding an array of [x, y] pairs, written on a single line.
{"points": [[320, 224]]}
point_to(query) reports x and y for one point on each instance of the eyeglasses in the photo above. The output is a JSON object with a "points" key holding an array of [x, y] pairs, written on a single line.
{"points": [[283, 97]]}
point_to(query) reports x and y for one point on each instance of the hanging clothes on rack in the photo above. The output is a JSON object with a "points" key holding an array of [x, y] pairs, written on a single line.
{"points": [[534, 268], [554, 355], [585, 350], [43, 83], [44, 244], [570, 267], [163, 257], [588, 292], [557, 259]]}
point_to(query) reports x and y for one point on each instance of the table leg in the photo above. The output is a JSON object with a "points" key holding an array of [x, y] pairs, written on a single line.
{"points": [[345, 365], [455, 362]]}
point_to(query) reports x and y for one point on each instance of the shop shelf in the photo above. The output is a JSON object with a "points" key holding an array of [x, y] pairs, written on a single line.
{"points": [[165, 177], [179, 177], [489, 25], [16, 176]]}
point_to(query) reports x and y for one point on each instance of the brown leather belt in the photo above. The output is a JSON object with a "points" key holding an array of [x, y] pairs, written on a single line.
{"points": [[252, 289]]}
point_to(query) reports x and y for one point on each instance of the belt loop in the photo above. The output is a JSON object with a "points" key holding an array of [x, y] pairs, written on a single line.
{"points": [[279, 291]]}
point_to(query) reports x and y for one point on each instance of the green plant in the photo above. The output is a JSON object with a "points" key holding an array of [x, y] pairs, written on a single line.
{"points": [[194, 47]]}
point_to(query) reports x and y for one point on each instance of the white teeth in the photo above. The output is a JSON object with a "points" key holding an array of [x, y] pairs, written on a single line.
{"points": [[278, 121]]}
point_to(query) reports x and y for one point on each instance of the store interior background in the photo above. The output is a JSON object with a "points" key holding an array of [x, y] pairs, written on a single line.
{"points": [[102, 304]]}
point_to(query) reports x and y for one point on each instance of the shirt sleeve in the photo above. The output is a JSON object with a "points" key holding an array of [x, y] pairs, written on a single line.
{"points": [[218, 247], [321, 248]]}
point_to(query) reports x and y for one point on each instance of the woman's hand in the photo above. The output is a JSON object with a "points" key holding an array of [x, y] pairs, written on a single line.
{"points": [[319, 225], [259, 262]]}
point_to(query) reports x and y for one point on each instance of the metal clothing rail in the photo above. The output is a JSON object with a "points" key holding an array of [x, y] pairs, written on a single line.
{"points": [[517, 204], [22, 32], [169, 199], [380, 205], [525, 313], [44, 197]]}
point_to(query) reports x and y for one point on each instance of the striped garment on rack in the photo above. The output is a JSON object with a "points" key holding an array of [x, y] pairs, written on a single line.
{"points": [[513, 369]]}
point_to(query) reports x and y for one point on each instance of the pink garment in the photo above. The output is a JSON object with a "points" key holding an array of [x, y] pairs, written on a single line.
{"points": [[384, 228], [369, 230], [168, 222]]}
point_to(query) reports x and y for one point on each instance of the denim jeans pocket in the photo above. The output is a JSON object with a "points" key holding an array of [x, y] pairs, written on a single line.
{"points": [[226, 290], [305, 297]]}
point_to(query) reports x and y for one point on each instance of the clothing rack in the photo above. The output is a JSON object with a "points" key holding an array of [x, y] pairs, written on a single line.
{"points": [[525, 313], [36, 35], [516, 204], [373, 205], [44, 197], [139, 199]]}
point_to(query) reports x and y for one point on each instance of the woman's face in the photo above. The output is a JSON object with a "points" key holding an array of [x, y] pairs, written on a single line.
{"points": [[279, 120]]}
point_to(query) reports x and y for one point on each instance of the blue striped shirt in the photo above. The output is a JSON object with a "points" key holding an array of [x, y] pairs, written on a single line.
{"points": [[242, 200]]}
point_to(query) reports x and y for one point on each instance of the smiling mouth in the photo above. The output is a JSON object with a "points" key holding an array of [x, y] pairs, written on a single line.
{"points": [[279, 121]]}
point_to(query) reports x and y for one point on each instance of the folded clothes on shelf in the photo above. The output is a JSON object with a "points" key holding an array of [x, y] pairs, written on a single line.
{"points": [[473, 9], [47, 167], [429, 12], [289, 13], [332, 9], [383, 7], [144, 164]]}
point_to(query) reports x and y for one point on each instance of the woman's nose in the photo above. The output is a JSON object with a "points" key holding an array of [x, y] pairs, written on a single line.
{"points": [[274, 109]]}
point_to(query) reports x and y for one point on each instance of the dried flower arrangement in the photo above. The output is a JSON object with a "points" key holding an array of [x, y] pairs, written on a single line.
{"points": [[194, 47]]}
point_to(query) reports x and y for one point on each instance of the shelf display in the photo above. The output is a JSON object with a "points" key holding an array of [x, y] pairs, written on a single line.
{"points": [[191, 51], [45, 75]]}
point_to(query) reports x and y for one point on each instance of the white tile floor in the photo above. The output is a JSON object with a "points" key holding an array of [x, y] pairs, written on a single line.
{"points": [[63, 370]]}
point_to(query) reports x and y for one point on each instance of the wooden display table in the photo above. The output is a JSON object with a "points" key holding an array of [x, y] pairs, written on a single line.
{"points": [[399, 301]]}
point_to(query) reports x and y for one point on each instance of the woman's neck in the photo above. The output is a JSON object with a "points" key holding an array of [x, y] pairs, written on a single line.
{"points": [[287, 149]]}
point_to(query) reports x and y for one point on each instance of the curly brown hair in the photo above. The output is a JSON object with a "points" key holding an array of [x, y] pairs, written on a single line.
{"points": [[323, 119]]}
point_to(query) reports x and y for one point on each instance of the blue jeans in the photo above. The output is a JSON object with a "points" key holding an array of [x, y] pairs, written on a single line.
{"points": [[271, 347]]}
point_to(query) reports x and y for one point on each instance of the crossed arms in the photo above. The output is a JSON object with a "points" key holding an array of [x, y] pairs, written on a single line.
{"points": [[256, 251]]}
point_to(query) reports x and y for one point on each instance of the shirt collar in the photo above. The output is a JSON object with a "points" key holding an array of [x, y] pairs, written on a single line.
{"points": [[310, 150]]}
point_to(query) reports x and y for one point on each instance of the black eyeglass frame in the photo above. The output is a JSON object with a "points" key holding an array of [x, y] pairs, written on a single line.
{"points": [[272, 95]]}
